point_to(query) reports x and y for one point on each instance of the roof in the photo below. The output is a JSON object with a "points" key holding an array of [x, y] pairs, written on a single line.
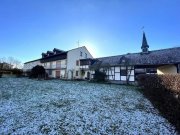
{"points": [[81, 47], [32, 61], [54, 57], [58, 56], [157, 57]]}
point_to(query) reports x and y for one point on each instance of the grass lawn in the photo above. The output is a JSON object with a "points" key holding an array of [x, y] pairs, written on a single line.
{"points": [[64, 107]]}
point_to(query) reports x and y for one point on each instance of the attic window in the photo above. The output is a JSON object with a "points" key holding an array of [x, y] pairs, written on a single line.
{"points": [[80, 53]]}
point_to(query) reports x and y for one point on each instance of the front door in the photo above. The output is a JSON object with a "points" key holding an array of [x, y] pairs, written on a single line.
{"points": [[57, 74]]}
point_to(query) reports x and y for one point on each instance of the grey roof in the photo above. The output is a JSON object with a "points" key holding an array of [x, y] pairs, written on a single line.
{"points": [[32, 61], [54, 57], [157, 57]]}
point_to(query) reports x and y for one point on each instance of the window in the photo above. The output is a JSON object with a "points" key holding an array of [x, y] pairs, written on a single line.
{"points": [[123, 71], [50, 72], [77, 62], [58, 64], [50, 65], [76, 73], [85, 55], [80, 53]]}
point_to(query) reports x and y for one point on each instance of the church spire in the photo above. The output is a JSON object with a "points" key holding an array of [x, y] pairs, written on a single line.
{"points": [[145, 45]]}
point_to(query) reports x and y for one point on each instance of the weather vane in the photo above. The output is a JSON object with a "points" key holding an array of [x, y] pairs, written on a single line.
{"points": [[142, 28]]}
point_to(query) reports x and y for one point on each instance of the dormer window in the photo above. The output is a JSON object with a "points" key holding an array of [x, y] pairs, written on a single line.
{"points": [[44, 55], [80, 53]]}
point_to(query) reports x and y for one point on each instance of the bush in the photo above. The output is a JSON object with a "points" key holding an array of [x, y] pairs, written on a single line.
{"points": [[82, 72], [27, 73], [38, 72], [17, 72], [164, 93], [0, 74], [99, 76]]}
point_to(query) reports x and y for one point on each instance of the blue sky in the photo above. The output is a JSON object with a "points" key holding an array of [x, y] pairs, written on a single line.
{"points": [[106, 27]]}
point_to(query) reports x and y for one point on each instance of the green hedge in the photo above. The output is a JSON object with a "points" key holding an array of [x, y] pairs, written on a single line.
{"points": [[164, 93], [17, 72], [99, 76], [37, 72]]}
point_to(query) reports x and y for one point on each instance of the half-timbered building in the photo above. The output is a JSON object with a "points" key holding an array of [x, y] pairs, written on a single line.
{"points": [[125, 68]]}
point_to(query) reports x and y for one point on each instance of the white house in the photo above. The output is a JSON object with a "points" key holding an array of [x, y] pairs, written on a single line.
{"points": [[61, 64], [29, 65], [73, 62], [78, 63]]}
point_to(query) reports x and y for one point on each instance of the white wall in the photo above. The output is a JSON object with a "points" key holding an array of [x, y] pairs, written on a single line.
{"points": [[63, 73], [114, 73], [30, 65], [59, 65], [74, 55]]}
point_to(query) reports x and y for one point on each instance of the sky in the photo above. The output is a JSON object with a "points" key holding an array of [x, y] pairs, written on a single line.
{"points": [[105, 27]]}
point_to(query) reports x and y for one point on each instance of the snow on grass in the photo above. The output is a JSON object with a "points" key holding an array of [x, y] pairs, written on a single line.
{"points": [[65, 107]]}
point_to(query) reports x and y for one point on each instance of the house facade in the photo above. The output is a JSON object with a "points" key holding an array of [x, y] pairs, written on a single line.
{"points": [[125, 68], [29, 65], [61, 64], [78, 63]]}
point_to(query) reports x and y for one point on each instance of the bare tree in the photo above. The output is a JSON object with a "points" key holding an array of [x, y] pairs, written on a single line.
{"points": [[11, 60], [2, 60], [13, 63], [17, 64]]}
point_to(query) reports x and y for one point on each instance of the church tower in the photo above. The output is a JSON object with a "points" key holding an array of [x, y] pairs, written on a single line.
{"points": [[145, 45]]}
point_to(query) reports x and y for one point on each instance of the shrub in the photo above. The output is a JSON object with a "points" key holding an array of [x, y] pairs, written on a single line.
{"points": [[37, 72], [99, 76], [27, 73], [169, 82], [82, 72], [17, 72], [0, 74], [164, 93]]}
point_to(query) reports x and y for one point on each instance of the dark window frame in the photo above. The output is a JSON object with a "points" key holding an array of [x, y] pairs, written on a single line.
{"points": [[81, 53], [123, 72], [50, 72], [77, 73], [77, 62]]}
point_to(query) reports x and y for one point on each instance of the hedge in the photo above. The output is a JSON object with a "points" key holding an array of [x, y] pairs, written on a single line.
{"points": [[37, 72], [0, 74], [164, 93], [99, 76]]}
